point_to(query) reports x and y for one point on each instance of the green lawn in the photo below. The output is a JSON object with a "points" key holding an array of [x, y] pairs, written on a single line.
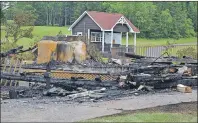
{"points": [[153, 42], [40, 31], [148, 117]]}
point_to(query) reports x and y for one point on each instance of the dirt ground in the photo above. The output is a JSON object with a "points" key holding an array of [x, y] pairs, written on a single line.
{"points": [[60, 110]]}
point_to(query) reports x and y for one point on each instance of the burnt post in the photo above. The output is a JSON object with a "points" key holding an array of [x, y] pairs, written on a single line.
{"points": [[47, 74]]}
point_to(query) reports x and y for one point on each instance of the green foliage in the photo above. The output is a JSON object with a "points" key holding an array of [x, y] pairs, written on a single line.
{"points": [[23, 15], [40, 31], [157, 42], [188, 31], [105, 60], [2, 17], [16, 32], [189, 51], [192, 13], [148, 117], [5, 46], [26, 56], [154, 19], [24, 19], [2, 12], [60, 32]]}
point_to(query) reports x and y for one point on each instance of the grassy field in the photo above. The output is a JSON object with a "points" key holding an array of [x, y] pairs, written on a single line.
{"points": [[40, 31], [153, 42], [148, 117], [182, 112]]}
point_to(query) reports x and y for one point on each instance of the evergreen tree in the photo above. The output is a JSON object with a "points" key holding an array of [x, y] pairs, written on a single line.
{"points": [[154, 19]]}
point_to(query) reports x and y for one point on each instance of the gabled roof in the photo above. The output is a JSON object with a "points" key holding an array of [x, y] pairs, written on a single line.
{"points": [[106, 21]]}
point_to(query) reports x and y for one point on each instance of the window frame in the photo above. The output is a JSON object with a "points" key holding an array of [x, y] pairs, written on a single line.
{"points": [[95, 36], [79, 33]]}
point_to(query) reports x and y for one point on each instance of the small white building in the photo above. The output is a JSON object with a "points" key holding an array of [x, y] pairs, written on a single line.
{"points": [[104, 29]]}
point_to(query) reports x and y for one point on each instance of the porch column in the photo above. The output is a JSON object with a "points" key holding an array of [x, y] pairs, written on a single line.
{"points": [[88, 35], [111, 38], [121, 38], [134, 42], [103, 33], [127, 41]]}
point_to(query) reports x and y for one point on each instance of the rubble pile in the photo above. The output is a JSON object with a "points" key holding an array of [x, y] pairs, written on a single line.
{"points": [[139, 76], [79, 95], [134, 81]]}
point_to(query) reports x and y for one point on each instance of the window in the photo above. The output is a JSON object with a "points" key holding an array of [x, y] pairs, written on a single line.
{"points": [[79, 33], [96, 37]]}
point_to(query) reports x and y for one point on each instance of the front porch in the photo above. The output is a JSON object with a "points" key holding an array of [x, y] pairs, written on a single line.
{"points": [[105, 41]]}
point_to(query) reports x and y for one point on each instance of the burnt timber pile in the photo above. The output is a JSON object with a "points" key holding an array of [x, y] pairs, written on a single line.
{"points": [[93, 80]]}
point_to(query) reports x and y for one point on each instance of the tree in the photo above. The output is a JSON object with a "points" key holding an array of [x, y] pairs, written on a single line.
{"points": [[21, 18], [41, 11], [166, 21], [4, 7], [192, 13], [154, 19], [16, 32], [2, 16]]}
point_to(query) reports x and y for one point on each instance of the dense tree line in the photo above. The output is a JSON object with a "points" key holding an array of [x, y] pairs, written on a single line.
{"points": [[154, 19]]}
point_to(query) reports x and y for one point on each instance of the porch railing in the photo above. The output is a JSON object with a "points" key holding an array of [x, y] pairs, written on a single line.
{"points": [[156, 51]]}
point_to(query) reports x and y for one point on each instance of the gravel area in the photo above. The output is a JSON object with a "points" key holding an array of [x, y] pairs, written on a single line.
{"points": [[58, 109]]}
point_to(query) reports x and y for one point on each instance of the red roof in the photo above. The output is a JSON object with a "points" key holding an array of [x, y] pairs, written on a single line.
{"points": [[107, 20]]}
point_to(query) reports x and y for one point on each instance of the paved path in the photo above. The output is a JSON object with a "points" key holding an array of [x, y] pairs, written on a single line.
{"points": [[29, 110]]}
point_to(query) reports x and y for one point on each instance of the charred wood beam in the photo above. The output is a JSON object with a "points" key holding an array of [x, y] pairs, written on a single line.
{"points": [[30, 48], [149, 70], [164, 78], [187, 82], [154, 69], [131, 55], [58, 82], [163, 60], [47, 74], [12, 51], [16, 51]]}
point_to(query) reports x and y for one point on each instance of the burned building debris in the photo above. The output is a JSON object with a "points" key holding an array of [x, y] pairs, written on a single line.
{"points": [[93, 80]]}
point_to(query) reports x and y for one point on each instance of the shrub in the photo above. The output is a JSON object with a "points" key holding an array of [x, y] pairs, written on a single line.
{"points": [[189, 51], [6, 46]]}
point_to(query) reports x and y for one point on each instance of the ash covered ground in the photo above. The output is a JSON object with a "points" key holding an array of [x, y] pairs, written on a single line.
{"points": [[39, 92]]}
